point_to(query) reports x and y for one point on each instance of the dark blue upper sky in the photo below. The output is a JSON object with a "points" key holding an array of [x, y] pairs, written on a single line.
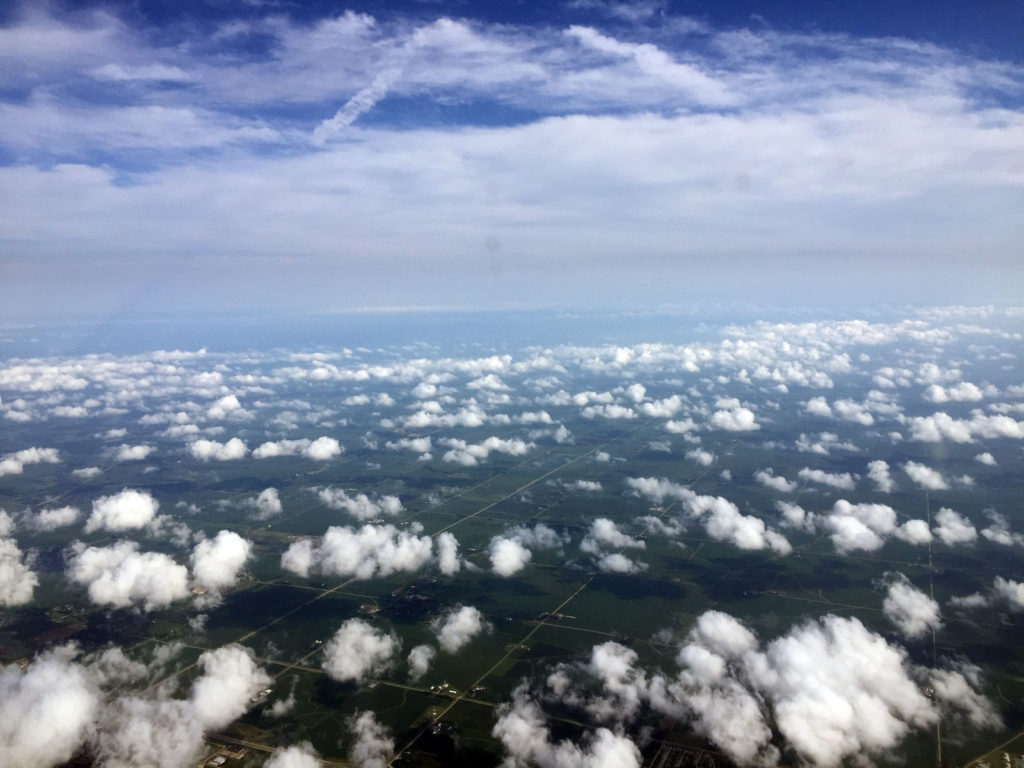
{"points": [[985, 28]]}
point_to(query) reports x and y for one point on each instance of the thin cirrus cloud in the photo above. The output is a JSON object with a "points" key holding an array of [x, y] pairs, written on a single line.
{"points": [[801, 147]]}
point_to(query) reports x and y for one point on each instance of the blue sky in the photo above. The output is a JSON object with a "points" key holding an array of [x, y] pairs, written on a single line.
{"points": [[296, 157]]}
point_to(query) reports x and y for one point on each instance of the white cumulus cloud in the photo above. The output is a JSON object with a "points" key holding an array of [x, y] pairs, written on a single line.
{"points": [[953, 528], [736, 419], [926, 477], [360, 506], [362, 553], [17, 580], [211, 450], [127, 510], [458, 626], [217, 562], [912, 611], [357, 651], [120, 576]]}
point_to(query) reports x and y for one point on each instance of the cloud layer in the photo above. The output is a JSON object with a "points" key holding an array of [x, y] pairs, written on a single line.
{"points": [[642, 130]]}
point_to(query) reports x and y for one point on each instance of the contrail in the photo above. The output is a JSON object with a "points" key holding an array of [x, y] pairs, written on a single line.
{"points": [[362, 102]]}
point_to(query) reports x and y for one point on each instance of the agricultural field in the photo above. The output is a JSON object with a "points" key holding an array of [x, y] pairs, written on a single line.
{"points": [[553, 540]]}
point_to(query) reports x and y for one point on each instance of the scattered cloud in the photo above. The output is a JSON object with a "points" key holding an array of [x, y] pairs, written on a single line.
{"points": [[523, 731], [722, 519], [840, 481], [420, 659], [953, 528], [361, 506], [267, 504], [925, 476], [361, 553], [469, 455], [458, 626], [878, 471], [126, 452], [912, 611], [217, 562], [373, 746], [751, 699], [127, 510], [769, 479], [357, 651], [508, 556], [737, 419], [15, 463], [17, 580], [211, 450], [120, 576], [52, 518], [294, 756]]}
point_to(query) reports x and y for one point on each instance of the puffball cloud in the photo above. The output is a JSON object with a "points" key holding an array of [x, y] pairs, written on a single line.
{"points": [[120, 576], [127, 510], [357, 651], [457, 627]]}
